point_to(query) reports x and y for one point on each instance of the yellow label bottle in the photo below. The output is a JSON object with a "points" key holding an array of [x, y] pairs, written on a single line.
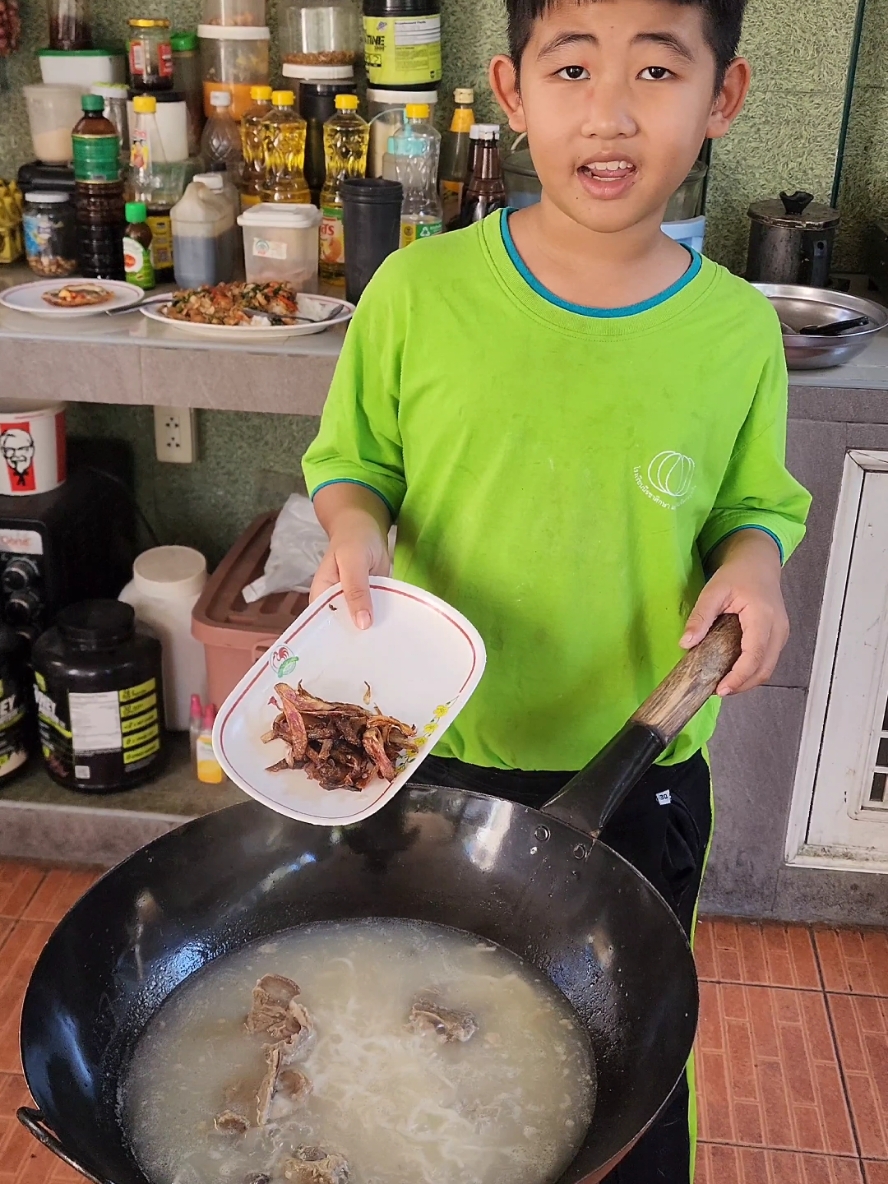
{"points": [[346, 140]]}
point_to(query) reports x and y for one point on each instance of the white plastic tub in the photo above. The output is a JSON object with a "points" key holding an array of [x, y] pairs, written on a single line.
{"points": [[281, 243], [81, 67]]}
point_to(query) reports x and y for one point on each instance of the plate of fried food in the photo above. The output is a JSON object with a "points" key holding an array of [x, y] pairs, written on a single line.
{"points": [[249, 311], [332, 720], [71, 298]]}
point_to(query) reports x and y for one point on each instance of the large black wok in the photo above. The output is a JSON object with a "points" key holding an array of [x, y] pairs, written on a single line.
{"points": [[536, 882]]}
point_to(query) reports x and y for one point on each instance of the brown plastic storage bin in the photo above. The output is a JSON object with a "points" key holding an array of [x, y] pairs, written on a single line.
{"points": [[234, 633]]}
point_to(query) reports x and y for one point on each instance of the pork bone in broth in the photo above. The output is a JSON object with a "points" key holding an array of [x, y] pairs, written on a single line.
{"points": [[433, 1058]]}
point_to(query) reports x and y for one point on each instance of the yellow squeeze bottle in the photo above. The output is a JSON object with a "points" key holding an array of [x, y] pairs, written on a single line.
{"points": [[209, 771], [284, 134]]}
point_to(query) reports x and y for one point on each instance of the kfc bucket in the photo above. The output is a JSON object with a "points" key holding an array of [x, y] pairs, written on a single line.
{"points": [[32, 445]]}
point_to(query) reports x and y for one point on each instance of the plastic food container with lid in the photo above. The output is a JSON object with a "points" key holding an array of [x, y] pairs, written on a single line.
{"points": [[234, 59], [320, 33], [385, 111], [402, 43], [150, 54], [233, 13], [281, 242], [81, 67], [50, 231], [98, 682], [52, 113], [166, 585]]}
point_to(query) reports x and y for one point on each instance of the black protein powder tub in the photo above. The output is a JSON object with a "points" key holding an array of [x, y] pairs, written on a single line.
{"points": [[99, 693], [15, 704]]}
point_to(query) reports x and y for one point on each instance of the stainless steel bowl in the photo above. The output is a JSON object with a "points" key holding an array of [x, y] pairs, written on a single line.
{"points": [[797, 306]]}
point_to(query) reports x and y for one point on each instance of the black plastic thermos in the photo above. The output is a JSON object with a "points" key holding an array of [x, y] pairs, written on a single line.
{"points": [[371, 226]]}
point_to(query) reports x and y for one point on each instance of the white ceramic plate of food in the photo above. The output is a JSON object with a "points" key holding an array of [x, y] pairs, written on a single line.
{"points": [[328, 309], [418, 664], [31, 298]]}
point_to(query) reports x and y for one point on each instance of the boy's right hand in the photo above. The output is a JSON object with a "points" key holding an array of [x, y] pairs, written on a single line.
{"points": [[357, 523]]}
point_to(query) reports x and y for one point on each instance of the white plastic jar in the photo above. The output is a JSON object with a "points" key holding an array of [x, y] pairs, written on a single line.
{"points": [[166, 585], [281, 242]]}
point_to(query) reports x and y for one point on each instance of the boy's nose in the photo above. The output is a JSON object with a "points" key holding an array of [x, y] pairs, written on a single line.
{"points": [[608, 114]]}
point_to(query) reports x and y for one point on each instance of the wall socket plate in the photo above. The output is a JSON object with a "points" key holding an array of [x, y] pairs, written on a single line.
{"points": [[175, 435]]}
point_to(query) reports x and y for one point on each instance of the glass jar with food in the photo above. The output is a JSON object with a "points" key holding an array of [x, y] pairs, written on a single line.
{"points": [[69, 24], [233, 59], [150, 54], [50, 234], [317, 33]]}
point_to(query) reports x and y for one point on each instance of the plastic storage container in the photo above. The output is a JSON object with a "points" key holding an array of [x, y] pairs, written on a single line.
{"points": [[320, 33], [166, 585], [114, 95], [150, 54], [402, 42], [687, 200], [52, 113], [690, 232], [234, 634], [233, 59], [204, 237], [281, 242], [99, 689], [385, 111], [69, 24], [188, 82], [82, 67], [233, 13], [50, 234]]}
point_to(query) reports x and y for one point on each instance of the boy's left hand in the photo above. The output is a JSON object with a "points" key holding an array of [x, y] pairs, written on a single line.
{"points": [[746, 582]]}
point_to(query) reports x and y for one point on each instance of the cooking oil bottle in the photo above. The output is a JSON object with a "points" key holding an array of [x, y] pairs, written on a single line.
{"points": [[283, 135], [252, 142], [346, 139]]}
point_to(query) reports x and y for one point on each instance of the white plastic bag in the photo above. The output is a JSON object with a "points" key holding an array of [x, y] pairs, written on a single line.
{"points": [[297, 548]]}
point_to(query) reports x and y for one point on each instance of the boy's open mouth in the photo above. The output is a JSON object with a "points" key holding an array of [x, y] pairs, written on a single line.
{"points": [[607, 178]]}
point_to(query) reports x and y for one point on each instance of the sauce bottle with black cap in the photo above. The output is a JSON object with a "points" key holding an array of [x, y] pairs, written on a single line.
{"points": [[99, 692]]}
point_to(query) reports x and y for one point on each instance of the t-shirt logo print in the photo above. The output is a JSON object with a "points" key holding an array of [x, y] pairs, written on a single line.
{"points": [[669, 479]]}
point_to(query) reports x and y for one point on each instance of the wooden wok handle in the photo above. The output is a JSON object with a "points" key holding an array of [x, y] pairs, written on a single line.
{"points": [[682, 693]]}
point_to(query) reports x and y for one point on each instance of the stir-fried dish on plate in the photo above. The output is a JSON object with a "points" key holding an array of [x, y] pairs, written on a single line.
{"points": [[269, 303]]}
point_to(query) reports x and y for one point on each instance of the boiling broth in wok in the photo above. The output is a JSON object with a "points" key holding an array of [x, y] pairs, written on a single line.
{"points": [[401, 1103]]}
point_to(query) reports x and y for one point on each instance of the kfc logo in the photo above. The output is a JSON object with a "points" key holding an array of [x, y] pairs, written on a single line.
{"points": [[17, 446]]}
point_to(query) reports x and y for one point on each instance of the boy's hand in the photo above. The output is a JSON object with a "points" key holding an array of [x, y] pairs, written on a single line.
{"points": [[357, 522], [746, 582]]}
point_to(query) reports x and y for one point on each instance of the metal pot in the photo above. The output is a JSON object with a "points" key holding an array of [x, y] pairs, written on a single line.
{"points": [[791, 240]]}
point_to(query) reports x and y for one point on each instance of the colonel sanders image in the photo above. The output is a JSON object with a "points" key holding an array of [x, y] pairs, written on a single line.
{"points": [[17, 446]]}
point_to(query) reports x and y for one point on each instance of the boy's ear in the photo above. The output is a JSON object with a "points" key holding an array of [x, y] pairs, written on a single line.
{"points": [[730, 100], [504, 84]]}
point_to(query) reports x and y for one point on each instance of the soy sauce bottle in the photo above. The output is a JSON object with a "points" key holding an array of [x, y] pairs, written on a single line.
{"points": [[98, 193], [486, 190]]}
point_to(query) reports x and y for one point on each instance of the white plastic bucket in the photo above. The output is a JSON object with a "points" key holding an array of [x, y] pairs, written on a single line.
{"points": [[32, 446]]}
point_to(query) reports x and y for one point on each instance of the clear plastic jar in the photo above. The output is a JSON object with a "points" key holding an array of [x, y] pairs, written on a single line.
{"points": [[234, 60], [114, 95], [385, 111], [50, 234], [320, 32], [187, 80], [150, 54], [234, 13]]}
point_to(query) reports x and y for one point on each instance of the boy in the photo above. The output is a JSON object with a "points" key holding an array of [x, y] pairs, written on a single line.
{"points": [[575, 421]]}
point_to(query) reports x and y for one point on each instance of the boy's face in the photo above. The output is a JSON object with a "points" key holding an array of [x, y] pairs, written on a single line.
{"points": [[616, 97]]}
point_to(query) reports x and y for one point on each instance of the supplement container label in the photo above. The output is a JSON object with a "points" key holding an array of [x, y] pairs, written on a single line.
{"points": [[402, 50], [96, 740], [264, 248], [137, 263], [161, 241], [96, 158], [411, 231], [13, 708], [332, 239]]}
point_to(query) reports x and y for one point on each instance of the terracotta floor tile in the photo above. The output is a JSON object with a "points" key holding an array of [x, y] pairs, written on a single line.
{"points": [[13, 1093], [749, 1165], [756, 953], [768, 1073], [18, 883], [875, 1173], [853, 960], [861, 1027], [6, 927], [57, 893], [20, 953]]}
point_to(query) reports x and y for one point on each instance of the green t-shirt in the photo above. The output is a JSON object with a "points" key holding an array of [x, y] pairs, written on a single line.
{"points": [[560, 475]]}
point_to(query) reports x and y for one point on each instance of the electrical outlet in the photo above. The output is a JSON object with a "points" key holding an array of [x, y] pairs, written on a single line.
{"points": [[175, 435]]}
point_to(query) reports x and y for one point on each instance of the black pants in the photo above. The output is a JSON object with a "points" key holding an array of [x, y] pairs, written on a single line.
{"points": [[663, 830]]}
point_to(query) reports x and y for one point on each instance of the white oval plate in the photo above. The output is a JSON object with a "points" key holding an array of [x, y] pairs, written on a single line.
{"points": [[29, 298], [154, 312], [421, 658]]}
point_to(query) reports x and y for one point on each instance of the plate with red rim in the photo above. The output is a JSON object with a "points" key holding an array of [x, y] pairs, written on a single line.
{"points": [[421, 659]]}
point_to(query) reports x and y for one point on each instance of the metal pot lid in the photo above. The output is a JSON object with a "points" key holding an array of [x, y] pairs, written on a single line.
{"points": [[797, 209]]}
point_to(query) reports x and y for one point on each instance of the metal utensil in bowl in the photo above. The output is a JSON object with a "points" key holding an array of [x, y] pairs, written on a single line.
{"points": [[799, 307]]}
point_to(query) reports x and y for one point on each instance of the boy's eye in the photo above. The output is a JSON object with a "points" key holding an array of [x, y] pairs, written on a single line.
{"points": [[655, 74], [573, 73]]}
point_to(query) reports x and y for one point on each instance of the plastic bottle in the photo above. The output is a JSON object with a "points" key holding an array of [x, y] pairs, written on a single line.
{"points": [[221, 140], [195, 720], [415, 149], [253, 147], [346, 140], [98, 192], [149, 182], [284, 133], [204, 237], [209, 771], [137, 246], [485, 190], [455, 155]]}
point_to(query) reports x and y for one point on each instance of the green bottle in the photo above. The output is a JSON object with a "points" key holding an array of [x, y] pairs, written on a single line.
{"points": [[137, 247]]}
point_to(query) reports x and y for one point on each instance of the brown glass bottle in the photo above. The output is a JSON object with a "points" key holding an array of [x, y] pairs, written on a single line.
{"points": [[486, 190]]}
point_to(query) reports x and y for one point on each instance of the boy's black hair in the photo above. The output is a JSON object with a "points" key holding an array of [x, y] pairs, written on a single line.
{"points": [[722, 21]]}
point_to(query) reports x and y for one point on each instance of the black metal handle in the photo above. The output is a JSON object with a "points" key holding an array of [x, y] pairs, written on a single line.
{"points": [[796, 203], [35, 1122], [834, 328]]}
